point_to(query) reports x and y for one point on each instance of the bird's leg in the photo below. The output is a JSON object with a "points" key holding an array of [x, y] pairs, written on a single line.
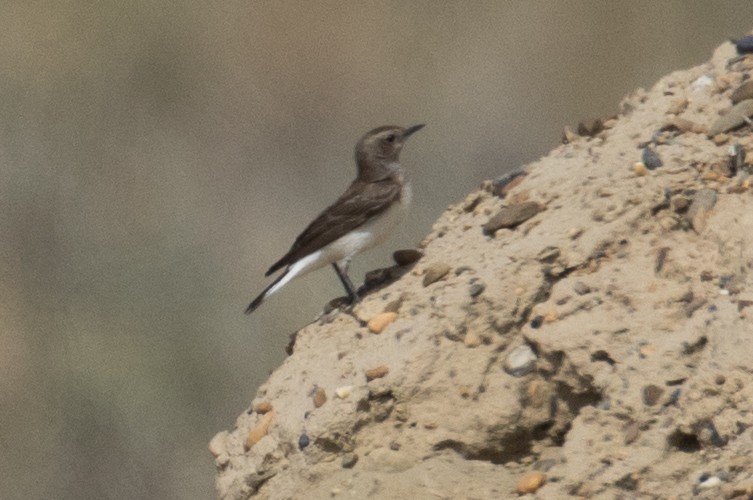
{"points": [[343, 275]]}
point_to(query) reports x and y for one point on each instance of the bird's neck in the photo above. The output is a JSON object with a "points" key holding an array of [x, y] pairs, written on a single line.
{"points": [[376, 171]]}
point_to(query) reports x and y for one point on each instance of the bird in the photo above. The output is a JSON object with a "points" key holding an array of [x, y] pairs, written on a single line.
{"points": [[362, 217]]}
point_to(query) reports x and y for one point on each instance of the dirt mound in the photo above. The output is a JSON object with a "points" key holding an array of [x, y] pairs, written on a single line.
{"points": [[579, 328]]}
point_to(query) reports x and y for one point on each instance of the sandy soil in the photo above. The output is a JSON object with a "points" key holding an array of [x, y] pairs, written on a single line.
{"points": [[598, 347]]}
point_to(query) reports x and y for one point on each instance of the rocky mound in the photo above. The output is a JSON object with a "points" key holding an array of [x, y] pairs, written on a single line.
{"points": [[579, 327]]}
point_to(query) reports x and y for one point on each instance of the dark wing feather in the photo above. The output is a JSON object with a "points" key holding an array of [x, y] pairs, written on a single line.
{"points": [[360, 202]]}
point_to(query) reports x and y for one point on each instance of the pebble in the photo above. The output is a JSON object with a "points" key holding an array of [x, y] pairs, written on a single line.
{"points": [[640, 168], [745, 45], [530, 482], [344, 391], [651, 394], [735, 117], [511, 216], [378, 323], [375, 373], [631, 433], [349, 460], [303, 441], [683, 125], [744, 91], [709, 435], [476, 289], [651, 159], [537, 321], [735, 159], [406, 256], [548, 254], [720, 139], [590, 127], [471, 339], [260, 430], [435, 272], [568, 135], [263, 407], [581, 288], [720, 379], [217, 446], [710, 482], [677, 106], [701, 83], [703, 201], [320, 397], [520, 361], [502, 185]]}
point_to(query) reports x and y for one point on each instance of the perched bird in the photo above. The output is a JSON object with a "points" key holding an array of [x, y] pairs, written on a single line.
{"points": [[362, 217]]}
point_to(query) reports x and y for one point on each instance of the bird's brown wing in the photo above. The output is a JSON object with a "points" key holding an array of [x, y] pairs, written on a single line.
{"points": [[360, 202]]}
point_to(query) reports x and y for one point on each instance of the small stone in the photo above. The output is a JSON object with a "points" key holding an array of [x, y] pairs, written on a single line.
{"points": [[505, 183], [320, 397], [263, 407], [260, 430], [735, 159], [646, 350], [631, 432], [683, 125], [677, 106], [378, 323], [744, 91], [218, 444], [581, 288], [710, 482], [651, 394], [537, 321], [435, 272], [680, 204], [548, 254], [720, 139], [590, 127], [375, 373], [511, 216], [640, 169], [349, 460], [736, 117], [406, 256], [530, 482], [344, 391], [568, 135], [394, 306], [703, 201], [471, 339], [651, 159], [744, 45], [720, 379], [476, 289], [303, 441], [520, 361]]}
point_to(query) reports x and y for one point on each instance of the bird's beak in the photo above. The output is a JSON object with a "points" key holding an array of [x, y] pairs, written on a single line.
{"points": [[410, 130]]}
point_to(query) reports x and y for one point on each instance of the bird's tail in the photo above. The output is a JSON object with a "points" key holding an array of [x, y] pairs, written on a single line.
{"points": [[278, 283]]}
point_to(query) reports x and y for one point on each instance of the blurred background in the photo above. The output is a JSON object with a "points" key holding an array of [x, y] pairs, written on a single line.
{"points": [[157, 157]]}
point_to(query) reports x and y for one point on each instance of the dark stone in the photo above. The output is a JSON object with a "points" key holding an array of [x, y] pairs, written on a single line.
{"points": [[511, 216], [651, 394], [651, 159], [744, 45], [349, 460], [476, 289], [537, 321], [303, 441], [406, 256]]}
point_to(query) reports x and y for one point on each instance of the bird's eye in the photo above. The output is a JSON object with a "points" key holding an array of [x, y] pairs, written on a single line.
{"points": [[390, 138]]}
